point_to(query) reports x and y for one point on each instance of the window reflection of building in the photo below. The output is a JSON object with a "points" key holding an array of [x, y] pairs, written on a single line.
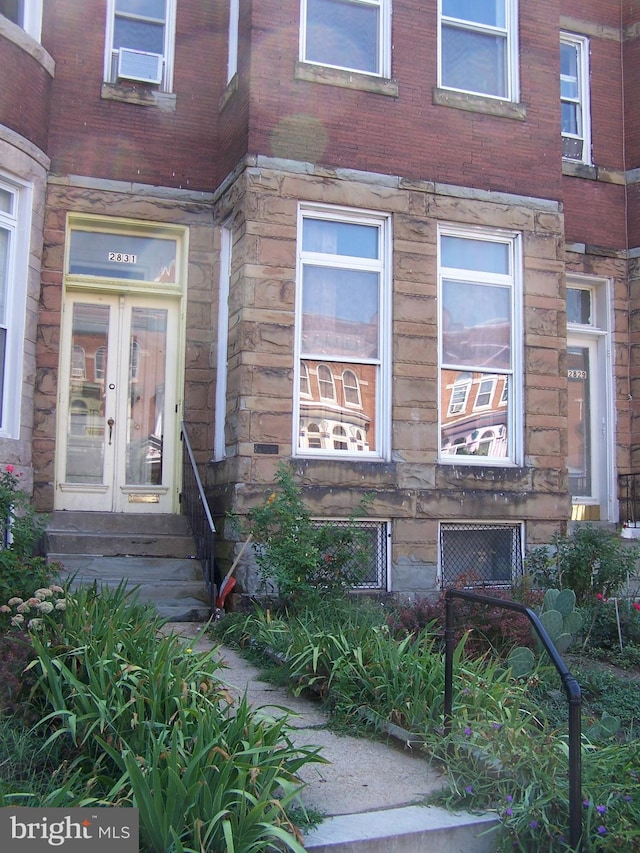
{"points": [[336, 406], [476, 419]]}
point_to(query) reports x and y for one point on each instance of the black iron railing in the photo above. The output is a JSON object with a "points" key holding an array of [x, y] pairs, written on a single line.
{"points": [[629, 497], [571, 686], [196, 508]]}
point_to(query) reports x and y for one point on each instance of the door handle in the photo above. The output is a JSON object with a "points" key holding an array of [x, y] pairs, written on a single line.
{"points": [[110, 424]]}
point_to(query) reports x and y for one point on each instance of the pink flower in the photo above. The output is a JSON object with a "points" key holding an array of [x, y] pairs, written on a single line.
{"points": [[599, 596], [9, 469], [636, 605]]}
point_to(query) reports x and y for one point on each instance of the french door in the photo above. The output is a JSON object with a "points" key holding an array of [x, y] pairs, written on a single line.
{"points": [[117, 421]]}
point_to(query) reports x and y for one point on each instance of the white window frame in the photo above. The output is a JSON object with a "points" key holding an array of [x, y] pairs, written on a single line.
{"points": [[582, 101], [486, 388], [169, 45], [18, 225], [232, 39], [514, 375], [597, 333], [383, 58], [31, 18], [382, 265], [510, 34]]}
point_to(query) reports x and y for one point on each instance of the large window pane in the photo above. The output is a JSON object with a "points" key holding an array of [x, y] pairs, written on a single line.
{"points": [[474, 62], [4, 272], [344, 34], [138, 35], [476, 325], [330, 419], [340, 312]]}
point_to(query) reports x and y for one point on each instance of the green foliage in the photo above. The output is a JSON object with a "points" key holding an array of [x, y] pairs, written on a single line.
{"points": [[306, 560], [507, 750], [612, 622], [589, 561], [20, 525], [146, 722]]}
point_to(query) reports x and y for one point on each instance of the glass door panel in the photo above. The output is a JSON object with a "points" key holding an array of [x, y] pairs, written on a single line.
{"points": [[118, 407], [85, 438], [146, 397], [580, 420]]}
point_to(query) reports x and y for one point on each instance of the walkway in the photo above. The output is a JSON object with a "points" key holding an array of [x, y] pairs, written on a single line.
{"points": [[371, 792]]}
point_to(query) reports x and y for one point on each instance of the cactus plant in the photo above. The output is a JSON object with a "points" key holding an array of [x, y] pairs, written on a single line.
{"points": [[561, 621]]}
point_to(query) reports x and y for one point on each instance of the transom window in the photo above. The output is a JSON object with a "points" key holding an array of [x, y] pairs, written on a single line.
{"points": [[342, 334], [139, 41], [478, 47], [574, 97], [350, 34], [479, 285]]}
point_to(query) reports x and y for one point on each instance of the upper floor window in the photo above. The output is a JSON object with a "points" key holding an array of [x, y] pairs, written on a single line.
{"points": [[25, 13], [574, 97], [342, 326], [139, 42], [232, 47], [478, 47], [480, 342], [349, 34]]}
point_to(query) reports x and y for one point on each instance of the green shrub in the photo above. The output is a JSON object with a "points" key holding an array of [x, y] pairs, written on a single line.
{"points": [[589, 561], [305, 560]]}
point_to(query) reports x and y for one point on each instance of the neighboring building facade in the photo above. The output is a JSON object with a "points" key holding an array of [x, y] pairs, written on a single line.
{"points": [[394, 242]]}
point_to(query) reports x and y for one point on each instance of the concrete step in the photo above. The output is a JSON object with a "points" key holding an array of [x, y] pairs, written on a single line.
{"points": [[174, 587], [119, 534], [408, 829], [155, 553]]}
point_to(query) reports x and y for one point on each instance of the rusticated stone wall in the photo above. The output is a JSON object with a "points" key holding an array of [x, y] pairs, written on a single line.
{"points": [[411, 488], [150, 205]]}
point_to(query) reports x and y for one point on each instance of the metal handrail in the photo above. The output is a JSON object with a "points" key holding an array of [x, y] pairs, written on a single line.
{"points": [[571, 686], [196, 508]]}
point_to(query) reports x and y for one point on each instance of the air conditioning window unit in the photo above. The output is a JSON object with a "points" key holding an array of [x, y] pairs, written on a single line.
{"points": [[139, 65]]}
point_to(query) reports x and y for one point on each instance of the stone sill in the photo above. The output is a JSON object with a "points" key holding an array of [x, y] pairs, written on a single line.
{"points": [[141, 95], [575, 169], [346, 79], [479, 104], [229, 92]]}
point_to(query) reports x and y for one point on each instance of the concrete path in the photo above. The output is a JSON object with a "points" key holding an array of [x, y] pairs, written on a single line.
{"points": [[371, 792]]}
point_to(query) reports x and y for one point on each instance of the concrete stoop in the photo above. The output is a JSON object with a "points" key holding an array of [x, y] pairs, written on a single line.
{"points": [[155, 554], [408, 829]]}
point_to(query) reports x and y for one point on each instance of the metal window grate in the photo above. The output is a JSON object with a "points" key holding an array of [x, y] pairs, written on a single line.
{"points": [[377, 532], [480, 554]]}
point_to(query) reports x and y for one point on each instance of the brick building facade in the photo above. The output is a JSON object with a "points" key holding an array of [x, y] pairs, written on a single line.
{"points": [[393, 242]]}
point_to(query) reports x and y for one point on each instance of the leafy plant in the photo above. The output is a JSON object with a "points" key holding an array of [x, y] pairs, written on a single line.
{"points": [[305, 559], [20, 525], [589, 561]]}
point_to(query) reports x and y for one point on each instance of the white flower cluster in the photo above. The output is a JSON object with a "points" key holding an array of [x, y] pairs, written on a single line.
{"points": [[27, 613]]}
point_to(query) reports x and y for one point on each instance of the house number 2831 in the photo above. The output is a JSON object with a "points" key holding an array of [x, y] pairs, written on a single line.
{"points": [[122, 258]]}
